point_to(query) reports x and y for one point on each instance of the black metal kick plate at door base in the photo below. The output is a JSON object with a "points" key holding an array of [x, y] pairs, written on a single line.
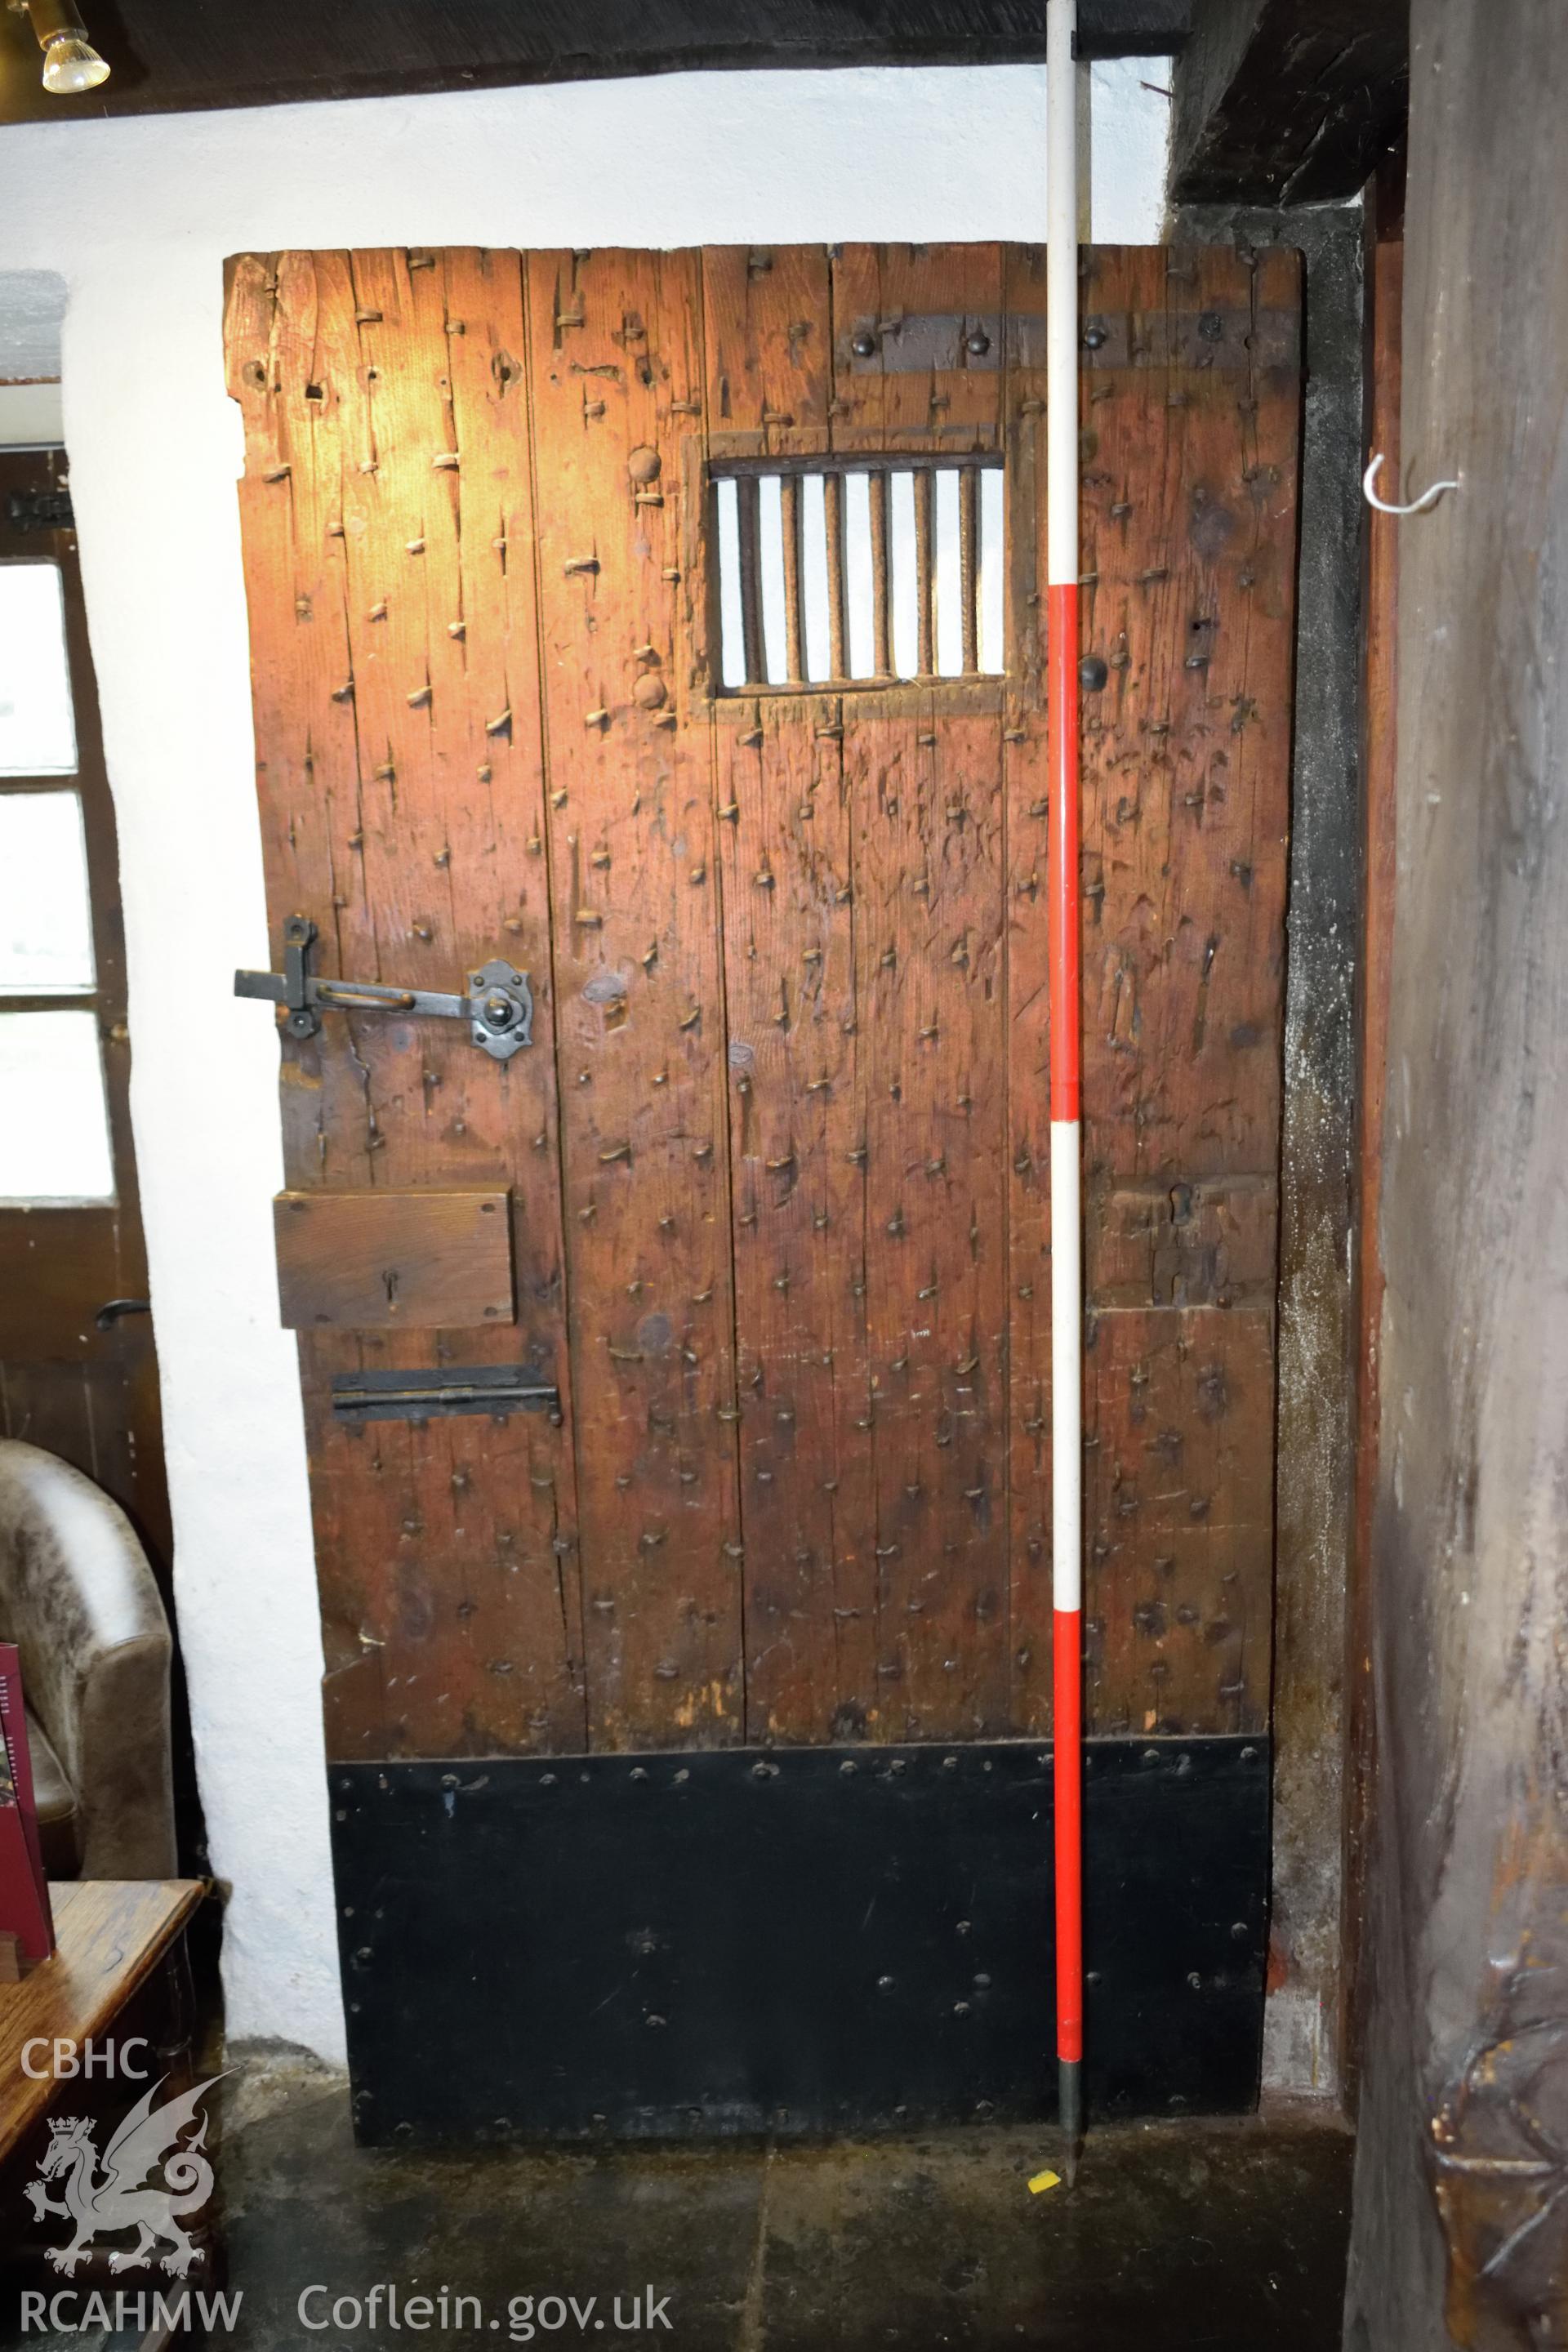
{"points": [[797, 1940]]}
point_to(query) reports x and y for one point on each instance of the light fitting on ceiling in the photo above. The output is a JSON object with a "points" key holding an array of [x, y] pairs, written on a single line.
{"points": [[71, 64]]}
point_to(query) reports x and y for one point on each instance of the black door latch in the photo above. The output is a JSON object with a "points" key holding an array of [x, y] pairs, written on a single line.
{"points": [[499, 1003], [497, 1389]]}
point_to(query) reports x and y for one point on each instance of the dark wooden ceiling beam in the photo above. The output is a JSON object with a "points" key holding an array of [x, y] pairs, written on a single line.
{"points": [[1287, 101], [185, 56]]}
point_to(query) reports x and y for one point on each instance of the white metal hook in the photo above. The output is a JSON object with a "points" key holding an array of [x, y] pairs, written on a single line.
{"points": [[1417, 505]]}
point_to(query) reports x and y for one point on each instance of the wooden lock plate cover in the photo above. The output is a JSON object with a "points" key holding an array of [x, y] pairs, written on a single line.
{"points": [[421, 1259]]}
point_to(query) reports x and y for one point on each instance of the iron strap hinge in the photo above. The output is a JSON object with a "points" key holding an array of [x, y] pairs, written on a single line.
{"points": [[498, 1004]]}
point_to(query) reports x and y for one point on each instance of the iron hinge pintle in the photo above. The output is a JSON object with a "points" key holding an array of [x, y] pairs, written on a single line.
{"points": [[498, 1004], [40, 509]]}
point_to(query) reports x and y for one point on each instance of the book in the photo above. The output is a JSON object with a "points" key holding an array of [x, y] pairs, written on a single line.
{"points": [[24, 1890]]}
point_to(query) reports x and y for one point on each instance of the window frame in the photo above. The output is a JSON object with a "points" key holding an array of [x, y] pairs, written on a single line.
{"points": [[745, 467], [87, 1234], [1009, 694]]}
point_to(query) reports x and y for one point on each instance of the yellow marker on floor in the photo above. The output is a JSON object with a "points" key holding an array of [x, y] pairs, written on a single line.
{"points": [[1040, 2181]]}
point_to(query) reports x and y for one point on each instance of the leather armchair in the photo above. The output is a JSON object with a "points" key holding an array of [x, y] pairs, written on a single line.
{"points": [[78, 1599]]}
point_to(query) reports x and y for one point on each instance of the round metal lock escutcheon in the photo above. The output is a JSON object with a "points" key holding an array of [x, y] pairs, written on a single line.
{"points": [[502, 1006]]}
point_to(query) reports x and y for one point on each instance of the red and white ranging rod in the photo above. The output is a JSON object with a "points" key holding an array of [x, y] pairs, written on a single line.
{"points": [[1062, 896]]}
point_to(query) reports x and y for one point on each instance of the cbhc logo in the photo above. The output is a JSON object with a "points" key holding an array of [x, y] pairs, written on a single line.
{"points": [[63, 2061]]}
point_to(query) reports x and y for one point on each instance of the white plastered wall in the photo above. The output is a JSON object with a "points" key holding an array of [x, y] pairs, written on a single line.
{"points": [[137, 217]]}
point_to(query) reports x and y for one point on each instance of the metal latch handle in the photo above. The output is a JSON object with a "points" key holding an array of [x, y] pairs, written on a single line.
{"points": [[498, 1005]]}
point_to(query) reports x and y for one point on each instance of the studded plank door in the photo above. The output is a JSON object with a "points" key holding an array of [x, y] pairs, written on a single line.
{"points": [[677, 1381]]}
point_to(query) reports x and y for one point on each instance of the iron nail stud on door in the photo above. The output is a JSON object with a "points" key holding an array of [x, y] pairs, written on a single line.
{"points": [[499, 1003]]}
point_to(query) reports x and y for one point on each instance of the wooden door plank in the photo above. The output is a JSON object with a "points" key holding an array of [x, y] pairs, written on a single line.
{"points": [[616, 379], [381, 827], [924, 780], [797, 1127], [399, 926], [1029, 1106], [295, 339], [448, 800], [488, 725], [289, 335], [785, 836]]}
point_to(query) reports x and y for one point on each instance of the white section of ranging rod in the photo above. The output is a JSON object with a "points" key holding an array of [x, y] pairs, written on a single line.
{"points": [[1062, 293], [1067, 1366]]}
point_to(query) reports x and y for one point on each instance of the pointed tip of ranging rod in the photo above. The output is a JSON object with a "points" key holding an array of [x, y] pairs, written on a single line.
{"points": [[1069, 2077]]}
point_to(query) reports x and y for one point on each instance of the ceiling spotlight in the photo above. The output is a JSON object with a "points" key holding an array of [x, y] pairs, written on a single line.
{"points": [[71, 64]]}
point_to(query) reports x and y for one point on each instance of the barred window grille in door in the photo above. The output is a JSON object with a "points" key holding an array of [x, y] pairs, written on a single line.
{"points": [[859, 570]]}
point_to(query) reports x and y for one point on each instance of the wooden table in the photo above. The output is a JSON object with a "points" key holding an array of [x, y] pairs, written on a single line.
{"points": [[119, 1972], [111, 1935]]}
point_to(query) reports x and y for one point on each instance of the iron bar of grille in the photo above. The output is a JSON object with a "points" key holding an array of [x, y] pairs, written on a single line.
{"points": [[969, 565], [833, 516], [881, 609], [795, 624], [748, 501], [925, 573]]}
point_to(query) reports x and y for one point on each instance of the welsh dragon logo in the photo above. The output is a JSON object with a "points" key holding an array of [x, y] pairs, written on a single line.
{"points": [[100, 2205]]}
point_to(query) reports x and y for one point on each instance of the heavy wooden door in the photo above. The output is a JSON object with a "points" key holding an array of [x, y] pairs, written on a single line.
{"points": [[753, 1236]]}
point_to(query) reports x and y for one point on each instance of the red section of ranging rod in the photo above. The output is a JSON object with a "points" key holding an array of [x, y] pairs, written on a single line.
{"points": [[1061, 707]]}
